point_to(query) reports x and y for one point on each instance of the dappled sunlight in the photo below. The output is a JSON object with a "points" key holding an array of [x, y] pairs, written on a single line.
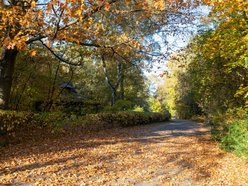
{"points": [[178, 152]]}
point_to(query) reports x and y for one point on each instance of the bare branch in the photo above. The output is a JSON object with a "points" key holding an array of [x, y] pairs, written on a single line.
{"points": [[57, 25]]}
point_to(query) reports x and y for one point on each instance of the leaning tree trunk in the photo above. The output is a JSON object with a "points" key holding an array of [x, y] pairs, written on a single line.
{"points": [[7, 64]]}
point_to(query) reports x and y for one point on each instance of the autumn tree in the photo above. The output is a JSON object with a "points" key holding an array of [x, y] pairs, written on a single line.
{"points": [[211, 72], [205, 83], [103, 25]]}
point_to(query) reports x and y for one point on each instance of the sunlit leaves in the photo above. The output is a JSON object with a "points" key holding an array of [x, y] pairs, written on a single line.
{"points": [[107, 23], [70, 20], [229, 40]]}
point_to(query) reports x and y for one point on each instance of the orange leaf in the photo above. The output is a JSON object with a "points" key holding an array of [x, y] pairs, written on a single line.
{"points": [[33, 52]]}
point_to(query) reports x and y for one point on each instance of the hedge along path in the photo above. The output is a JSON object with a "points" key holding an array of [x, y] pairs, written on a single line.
{"points": [[171, 153]]}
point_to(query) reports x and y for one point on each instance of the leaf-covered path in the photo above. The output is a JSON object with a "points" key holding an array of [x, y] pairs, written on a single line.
{"points": [[173, 153]]}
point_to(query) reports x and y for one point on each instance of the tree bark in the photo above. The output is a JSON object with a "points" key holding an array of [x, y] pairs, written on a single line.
{"points": [[113, 87], [122, 91], [7, 64]]}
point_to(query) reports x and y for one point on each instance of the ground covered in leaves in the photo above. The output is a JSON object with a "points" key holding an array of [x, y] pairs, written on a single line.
{"points": [[173, 153]]}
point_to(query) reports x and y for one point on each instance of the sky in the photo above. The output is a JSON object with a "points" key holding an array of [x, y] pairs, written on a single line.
{"points": [[175, 42]]}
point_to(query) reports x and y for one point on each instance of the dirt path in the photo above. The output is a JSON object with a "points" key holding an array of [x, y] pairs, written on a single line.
{"points": [[173, 153]]}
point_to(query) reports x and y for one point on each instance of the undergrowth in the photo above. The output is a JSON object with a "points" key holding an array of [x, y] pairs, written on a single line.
{"points": [[231, 130]]}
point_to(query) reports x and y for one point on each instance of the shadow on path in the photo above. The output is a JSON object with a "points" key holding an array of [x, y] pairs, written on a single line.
{"points": [[188, 147]]}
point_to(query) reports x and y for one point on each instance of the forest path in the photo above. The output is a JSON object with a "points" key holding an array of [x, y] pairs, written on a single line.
{"points": [[177, 152]]}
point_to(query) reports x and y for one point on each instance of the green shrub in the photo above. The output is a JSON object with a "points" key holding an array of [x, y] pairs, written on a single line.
{"points": [[231, 129], [53, 120], [236, 136], [121, 119], [11, 122], [120, 105], [236, 139]]}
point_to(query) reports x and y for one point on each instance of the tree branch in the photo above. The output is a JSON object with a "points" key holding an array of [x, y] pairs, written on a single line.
{"points": [[57, 56]]}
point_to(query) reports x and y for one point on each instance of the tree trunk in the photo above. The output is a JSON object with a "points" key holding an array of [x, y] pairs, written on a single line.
{"points": [[114, 96], [112, 87], [122, 91], [7, 64]]}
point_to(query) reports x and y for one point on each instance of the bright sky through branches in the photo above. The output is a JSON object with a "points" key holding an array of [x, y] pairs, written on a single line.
{"points": [[175, 42]]}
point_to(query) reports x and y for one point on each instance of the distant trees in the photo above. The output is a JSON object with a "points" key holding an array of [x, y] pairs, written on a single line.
{"points": [[204, 80], [201, 83], [41, 82], [210, 75]]}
